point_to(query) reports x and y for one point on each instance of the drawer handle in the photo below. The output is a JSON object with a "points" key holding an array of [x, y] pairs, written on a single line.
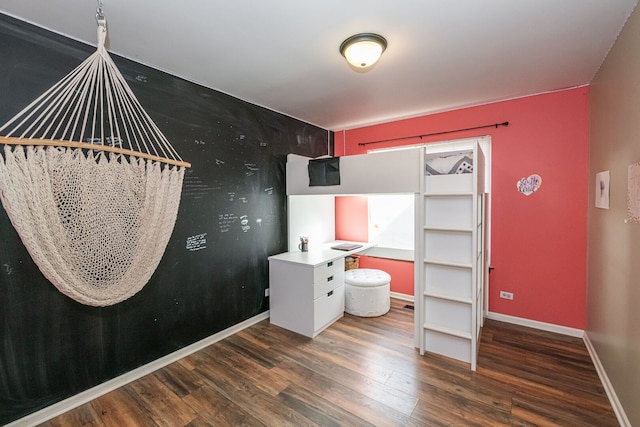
{"points": [[329, 293], [330, 278], [330, 263]]}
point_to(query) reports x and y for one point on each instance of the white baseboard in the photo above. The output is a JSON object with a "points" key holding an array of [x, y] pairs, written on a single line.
{"points": [[403, 297], [93, 393], [550, 327], [608, 387]]}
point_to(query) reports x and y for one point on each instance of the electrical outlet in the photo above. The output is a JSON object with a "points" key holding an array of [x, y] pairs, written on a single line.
{"points": [[266, 292], [506, 295]]}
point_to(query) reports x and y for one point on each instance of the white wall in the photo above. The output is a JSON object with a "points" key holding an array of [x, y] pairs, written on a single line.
{"points": [[313, 217]]}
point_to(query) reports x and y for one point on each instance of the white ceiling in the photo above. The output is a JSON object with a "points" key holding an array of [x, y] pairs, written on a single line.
{"points": [[283, 54]]}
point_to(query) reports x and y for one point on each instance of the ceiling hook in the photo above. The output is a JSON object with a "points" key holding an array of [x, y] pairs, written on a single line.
{"points": [[100, 19]]}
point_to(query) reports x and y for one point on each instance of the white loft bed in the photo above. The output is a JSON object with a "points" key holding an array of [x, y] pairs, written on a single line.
{"points": [[312, 208], [449, 230], [375, 173], [385, 172], [388, 172]]}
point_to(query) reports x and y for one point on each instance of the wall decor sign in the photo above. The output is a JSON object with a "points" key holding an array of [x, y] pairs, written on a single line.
{"points": [[602, 190], [633, 193], [528, 186]]}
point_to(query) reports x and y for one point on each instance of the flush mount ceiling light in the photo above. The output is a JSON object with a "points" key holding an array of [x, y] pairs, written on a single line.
{"points": [[363, 50]]}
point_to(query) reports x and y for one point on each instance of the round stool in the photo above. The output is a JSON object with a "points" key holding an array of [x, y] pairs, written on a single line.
{"points": [[367, 292]]}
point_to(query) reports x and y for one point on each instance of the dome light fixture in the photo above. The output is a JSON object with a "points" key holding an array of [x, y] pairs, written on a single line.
{"points": [[362, 51]]}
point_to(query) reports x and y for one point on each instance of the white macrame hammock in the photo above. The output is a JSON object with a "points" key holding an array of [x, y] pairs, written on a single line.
{"points": [[90, 183]]}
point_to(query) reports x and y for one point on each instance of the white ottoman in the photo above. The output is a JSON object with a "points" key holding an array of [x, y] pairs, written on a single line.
{"points": [[367, 292]]}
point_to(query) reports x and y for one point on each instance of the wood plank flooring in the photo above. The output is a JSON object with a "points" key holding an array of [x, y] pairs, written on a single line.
{"points": [[362, 372]]}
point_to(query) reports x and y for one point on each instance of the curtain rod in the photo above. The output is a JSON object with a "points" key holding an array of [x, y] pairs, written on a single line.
{"points": [[496, 125]]}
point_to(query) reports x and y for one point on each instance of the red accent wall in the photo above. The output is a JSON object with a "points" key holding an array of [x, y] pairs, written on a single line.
{"points": [[539, 242], [352, 214]]}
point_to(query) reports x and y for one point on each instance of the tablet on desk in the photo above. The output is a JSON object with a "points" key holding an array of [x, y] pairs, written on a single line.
{"points": [[346, 246]]}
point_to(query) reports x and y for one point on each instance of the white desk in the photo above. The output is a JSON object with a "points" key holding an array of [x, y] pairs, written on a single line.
{"points": [[307, 288]]}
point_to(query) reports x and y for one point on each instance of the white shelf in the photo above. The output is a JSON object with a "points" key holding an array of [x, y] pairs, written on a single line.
{"points": [[453, 194], [449, 246], [452, 229], [448, 331], [448, 184], [448, 280], [450, 264], [446, 297]]}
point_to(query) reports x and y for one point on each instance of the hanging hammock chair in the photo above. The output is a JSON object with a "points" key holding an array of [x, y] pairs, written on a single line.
{"points": [[90, 183]]}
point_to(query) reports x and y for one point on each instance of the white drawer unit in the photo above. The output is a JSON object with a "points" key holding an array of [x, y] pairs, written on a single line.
{"points": [[306, 291]]}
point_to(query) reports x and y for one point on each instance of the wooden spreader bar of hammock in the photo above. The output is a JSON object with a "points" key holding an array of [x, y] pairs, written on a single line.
{"points": [[87, 146]]}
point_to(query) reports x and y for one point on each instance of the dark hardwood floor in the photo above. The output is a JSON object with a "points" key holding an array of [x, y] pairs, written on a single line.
{"points": [[362, 372]]}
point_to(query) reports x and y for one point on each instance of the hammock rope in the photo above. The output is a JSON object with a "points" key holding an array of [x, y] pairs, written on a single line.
{"points": [[90, 183], [95, 89]]}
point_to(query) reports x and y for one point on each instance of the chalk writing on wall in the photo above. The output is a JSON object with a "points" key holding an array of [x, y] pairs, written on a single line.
{"points": [[197, 242], [251, 169], [8, 270], [225, 221], [195, 187], [244, 223]]}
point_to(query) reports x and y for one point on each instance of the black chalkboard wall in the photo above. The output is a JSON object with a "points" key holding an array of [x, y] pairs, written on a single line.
{"points": [[214, 272]]}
